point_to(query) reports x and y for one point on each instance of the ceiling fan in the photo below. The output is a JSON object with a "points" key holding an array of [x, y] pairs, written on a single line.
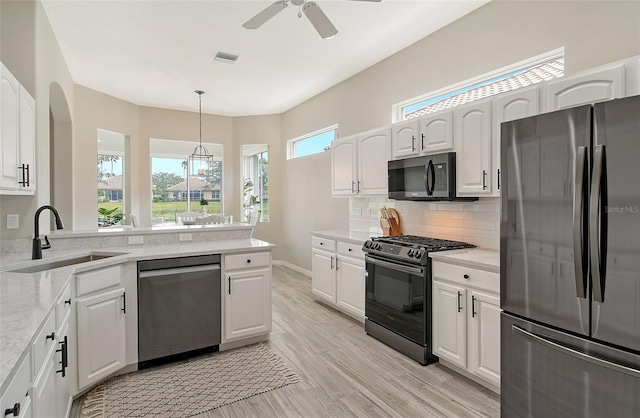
{"points": [[316, 16]]}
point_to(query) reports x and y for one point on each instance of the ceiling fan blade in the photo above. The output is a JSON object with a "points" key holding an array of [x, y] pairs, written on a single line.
{"points": [[319, 20], [368, 0], [260, 19]]}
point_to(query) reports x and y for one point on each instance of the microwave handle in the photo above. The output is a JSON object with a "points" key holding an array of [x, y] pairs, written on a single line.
{"points": [[429, 168]]}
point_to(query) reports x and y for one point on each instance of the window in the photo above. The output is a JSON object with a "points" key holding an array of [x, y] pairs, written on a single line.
{"points": [[523, 74], [255, 187], [180, 183], [312, 143], [110, 172]]}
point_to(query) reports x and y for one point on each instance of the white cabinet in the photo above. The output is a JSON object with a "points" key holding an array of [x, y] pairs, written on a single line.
{"points": [[17, 396], [101, 310], [17, 136], [510, 106], [426, 135], [247, 295], [473, 141], [597, 85], [466, 321], [359, 163], [343, 166], [338, 275]]}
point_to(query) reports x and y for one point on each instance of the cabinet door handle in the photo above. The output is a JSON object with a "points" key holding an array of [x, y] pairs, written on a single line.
{"points": [[229, 284], [353, 186], [413, 143], [25, 175], [15, 411], [473, 306], [64, 361], [422, 142], [331, 262], [337, 263], [358, 190], [498, 179], [51, 336], [124, 302], [459, 297], [67, 302], [484, 179]]}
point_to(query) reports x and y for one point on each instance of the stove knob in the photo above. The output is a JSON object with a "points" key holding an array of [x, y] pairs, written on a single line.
{"points": [[367, 244], [410, 253], [378, 247], [418, 254]]}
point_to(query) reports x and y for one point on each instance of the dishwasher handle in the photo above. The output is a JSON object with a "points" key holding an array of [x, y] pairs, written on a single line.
{"points": [[179, 270]]}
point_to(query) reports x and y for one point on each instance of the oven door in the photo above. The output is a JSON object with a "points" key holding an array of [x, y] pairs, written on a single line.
{"points": [[397, 296]]}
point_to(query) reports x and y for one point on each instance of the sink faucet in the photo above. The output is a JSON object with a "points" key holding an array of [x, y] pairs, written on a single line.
{"points": [[36, 253]]}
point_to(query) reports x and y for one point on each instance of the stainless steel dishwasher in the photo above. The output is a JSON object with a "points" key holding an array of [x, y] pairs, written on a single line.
{"points": [[178, 307]]}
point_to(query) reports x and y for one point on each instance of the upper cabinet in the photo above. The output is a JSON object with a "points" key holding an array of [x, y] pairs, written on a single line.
{"points": [[17, 137], [473, 141], [598, 85], [359, 163], [426, 135], [507, 107]]}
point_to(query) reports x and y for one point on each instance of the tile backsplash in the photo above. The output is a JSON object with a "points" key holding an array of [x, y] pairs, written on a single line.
{"points": [[474, 222]]}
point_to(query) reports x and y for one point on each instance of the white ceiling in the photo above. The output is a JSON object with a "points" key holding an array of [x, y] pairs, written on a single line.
{"points": [[157, 52]]}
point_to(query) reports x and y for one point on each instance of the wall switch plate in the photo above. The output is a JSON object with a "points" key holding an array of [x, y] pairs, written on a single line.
{"points": [[136, 240], [13, 221], [368, 212], [185, 237]]}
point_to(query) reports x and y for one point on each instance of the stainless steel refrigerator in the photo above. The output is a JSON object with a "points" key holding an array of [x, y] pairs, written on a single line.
{"points": [[570, 263]]}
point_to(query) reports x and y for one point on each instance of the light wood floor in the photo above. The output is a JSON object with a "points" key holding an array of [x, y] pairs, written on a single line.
{"points": [[345, 372]]}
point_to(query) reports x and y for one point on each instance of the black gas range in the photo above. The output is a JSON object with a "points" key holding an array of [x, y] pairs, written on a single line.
{"points": [[398, 292], [410, 248]]}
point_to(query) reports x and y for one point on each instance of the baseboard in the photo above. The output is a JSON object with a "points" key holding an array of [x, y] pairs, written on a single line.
{"points": [[243, 342], [292, 267], [470, 376]]}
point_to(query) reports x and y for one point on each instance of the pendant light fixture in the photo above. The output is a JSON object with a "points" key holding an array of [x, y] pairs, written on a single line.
{"points": [[201, 154]]}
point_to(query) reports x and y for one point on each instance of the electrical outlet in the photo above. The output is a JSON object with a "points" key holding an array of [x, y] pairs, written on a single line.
{"points": [[136, 240], [185, 237], [13, 221], [356, 211]]}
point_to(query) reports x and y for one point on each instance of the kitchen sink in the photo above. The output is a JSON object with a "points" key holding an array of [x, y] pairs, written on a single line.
{"points": [[64, 263]]}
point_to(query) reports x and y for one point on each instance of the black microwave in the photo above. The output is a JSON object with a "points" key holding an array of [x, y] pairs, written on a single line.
{"points": [[426, 178]]}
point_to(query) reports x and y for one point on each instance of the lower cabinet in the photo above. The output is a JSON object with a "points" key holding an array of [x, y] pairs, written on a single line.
{"points": [[338, 275], [100, 319], [247, 295], [466, 320]]}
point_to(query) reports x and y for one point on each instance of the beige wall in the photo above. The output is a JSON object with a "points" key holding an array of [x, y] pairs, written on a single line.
{"points": [[31, 52], [493, 36]]}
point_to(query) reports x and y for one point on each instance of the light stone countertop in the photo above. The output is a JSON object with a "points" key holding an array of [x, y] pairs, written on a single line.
{"points": [[27, 298], [471, 257], [357, 238], [163, 228]]}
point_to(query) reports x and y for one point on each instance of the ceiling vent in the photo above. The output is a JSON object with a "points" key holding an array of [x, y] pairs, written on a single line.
{"points": [[224, 57]]}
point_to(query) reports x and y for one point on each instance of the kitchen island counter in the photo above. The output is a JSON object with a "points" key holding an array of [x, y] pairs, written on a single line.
{"points": [[27, 298]]}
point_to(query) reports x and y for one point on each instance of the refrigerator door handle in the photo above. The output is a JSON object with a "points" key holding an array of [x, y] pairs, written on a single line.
{"points": [[578, 219], [597, 229], [577, 354]]}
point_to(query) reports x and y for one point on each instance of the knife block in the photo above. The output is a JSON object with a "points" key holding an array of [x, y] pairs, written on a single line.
{"points": [[391, 226]]}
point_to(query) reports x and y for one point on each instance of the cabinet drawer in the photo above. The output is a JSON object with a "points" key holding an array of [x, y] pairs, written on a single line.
{"points": [[245, 261], [351, 250], [466, 276], [45, 341], [93, 281], [325, 244], [63, 308], [17, 390]]}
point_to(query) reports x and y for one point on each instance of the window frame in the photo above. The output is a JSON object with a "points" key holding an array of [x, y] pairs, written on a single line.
{"points": [[291, 144], [397, 110]]}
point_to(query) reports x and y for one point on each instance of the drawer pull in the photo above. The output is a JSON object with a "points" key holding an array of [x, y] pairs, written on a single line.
{"points": [[321, 243], [466, 276], [15, 411], [349, 249], [248, 261], [51, 336]]}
